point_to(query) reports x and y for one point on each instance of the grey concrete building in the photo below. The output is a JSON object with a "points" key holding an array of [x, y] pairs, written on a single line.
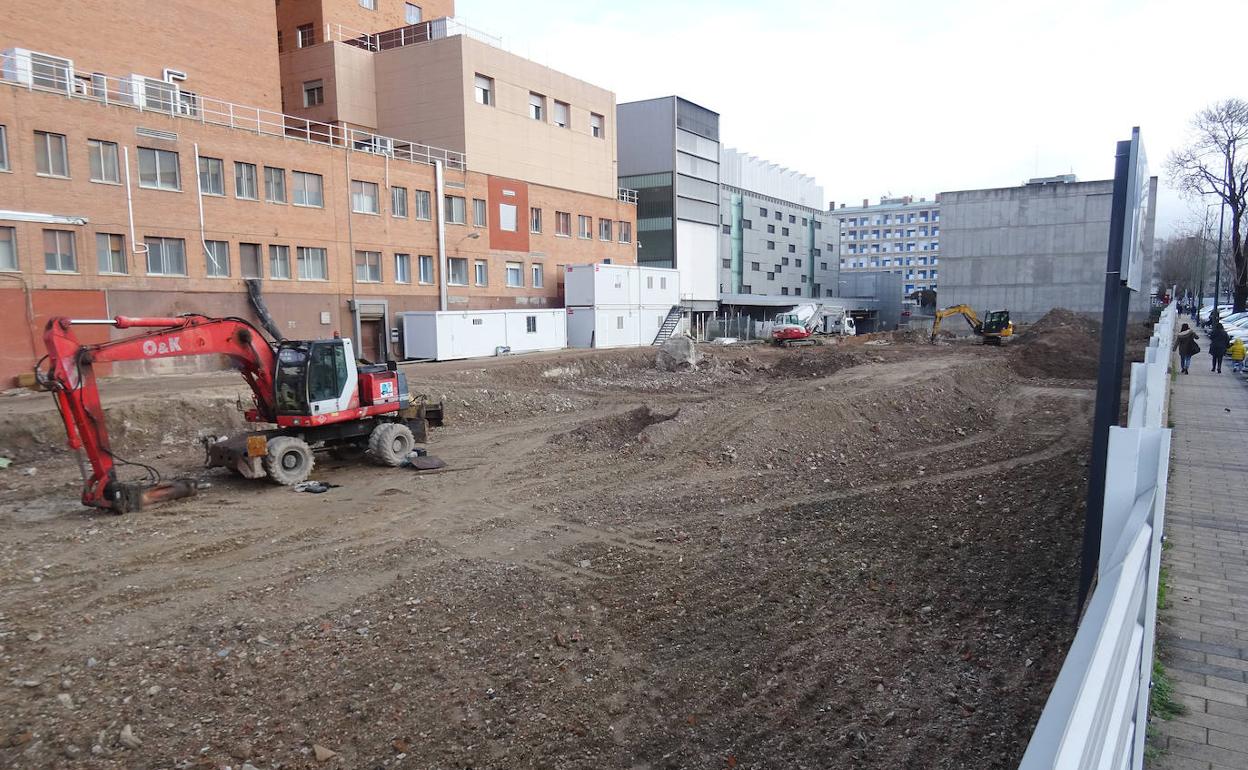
{"points": [[1035, 247], [897, 235], [775, 238], [668, 152]]}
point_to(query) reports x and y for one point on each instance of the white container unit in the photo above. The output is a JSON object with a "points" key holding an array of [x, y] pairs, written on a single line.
{"points": [[659, 286], [452, 334], [587, 285], [604, 326]]}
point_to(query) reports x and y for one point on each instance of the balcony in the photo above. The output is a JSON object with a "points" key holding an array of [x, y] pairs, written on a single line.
{"points": [[412, 34], [36, 71]]}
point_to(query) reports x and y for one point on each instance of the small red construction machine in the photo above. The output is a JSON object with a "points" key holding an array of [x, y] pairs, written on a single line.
{"points": [[312, 391]]}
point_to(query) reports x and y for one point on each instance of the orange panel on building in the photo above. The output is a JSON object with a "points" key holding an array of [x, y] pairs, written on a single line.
{"points": [[502, 193]]}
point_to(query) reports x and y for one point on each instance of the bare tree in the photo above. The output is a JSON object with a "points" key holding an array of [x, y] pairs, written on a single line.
{"points": [[1212, 164], [1181, 263]]}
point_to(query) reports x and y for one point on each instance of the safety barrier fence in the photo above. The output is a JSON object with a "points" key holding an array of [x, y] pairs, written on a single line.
{"points": [[1096, 715]]}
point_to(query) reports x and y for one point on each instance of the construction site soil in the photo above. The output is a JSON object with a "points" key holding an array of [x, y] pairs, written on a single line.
{"points": [[850, 556]]}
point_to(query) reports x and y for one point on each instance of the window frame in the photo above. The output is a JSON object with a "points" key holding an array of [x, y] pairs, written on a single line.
{"points": [[313, 87], [422, 200], [210, 259], [597, 126], [625, 230], [241, 180], [480, 273], [161, 242], [449, 209], [304, 257], [4, 148], [585, 227], [243, 247], [518, 267], [537, 106], [563, 218], [398, 202], [157, 155], [535, 220], [537, 275], [12, 241], [268, 186], [305, 35], [402, 267], [480, 213], [282, 249], [421, 261], [357, 195], [299, 179], [96, 148], [43, 154], [483, 94], [450, 271], [567, 115], [371, 262], [208, 160], [70, 238], [606, 230], [407, 15]]}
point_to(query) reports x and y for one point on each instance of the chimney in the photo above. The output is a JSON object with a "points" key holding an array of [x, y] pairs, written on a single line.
{"points": [[831, 205], [866, 202], [842, 205]]}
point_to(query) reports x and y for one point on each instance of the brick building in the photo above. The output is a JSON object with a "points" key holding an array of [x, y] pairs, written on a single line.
{"points": [[157, 159]]}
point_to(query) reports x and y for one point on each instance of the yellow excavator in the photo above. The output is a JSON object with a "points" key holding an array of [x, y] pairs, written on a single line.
{"points": [[995, 328]]}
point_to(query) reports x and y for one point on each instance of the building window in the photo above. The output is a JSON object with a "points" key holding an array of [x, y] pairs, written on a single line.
{"points": [[747, 224], [305, 35], [784, 291], [481, 272], [779, 216], [363, 197], [507, 215], [245, 186], [792, 249], [369, 4], [424, 263], [784, 231], [51, 156], [727, 263], [771, 245], [538, 275], [368, 266], [771, 229], [754, 266], [626, 232], [402, 268], [421, 200], [457, 274], [279, 262], [537, 106], [455, 213], [535, 220], [595, 125], [530, 324], [8, 249], [313, 93], [561, 114], [727, 229], [103, 157], [604, 229], [309, 189], [485, 90], [110, 253], [4, 149], [217, 258], [478, 213], [515, 275], [274, 184], [398, 202], [411, 13], [586, 226], [563, 224], [211, 176], [60, 254], [166, 256], [249, 260], [313, 263], [797, 291]]}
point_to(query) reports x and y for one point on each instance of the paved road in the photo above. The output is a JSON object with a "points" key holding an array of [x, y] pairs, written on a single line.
{"points": [[1205, 628]]}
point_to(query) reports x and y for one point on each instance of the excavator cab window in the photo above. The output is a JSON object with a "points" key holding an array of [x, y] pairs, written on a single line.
{"points": [[291, 381], [309, 372], [327, 371]]}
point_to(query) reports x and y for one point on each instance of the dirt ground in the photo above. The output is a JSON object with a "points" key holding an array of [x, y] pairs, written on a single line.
{"points": [[835, 557]]}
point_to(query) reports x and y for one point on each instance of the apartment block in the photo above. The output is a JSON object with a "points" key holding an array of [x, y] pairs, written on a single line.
{"points": [[162, 191], [776, 239], [897, 235]]}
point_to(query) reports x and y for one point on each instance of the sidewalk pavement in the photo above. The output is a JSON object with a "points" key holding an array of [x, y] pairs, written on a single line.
{"points": [[1204, 628]]}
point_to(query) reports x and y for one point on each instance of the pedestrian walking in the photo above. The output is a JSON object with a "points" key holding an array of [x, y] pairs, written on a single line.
{"points": [[1219, 341], [1236, 352], [1185, 343]]}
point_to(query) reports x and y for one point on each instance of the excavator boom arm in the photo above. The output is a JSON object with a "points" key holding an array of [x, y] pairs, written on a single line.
{"points": [[70, 375], [966, 311]]}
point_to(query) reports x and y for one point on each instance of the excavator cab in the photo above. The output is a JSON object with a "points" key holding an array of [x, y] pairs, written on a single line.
{"points": [[314, 377], [997, 327]]}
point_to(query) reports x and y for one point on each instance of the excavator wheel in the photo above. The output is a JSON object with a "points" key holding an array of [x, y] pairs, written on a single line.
{"points": [[289, 460], [390, 443]]}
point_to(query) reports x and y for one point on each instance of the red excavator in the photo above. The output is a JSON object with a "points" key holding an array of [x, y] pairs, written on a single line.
{"points": [[313, 391]]}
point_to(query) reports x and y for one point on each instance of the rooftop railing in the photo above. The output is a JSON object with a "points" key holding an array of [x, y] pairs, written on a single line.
{"points": [[412, 34], [628, 196], [36, 71]]}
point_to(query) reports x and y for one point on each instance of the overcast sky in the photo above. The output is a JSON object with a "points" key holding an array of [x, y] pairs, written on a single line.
{"points": [[907, 97]]}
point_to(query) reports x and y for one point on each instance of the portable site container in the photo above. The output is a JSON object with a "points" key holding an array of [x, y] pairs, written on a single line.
{"points": [[659, 286], [588, 285], [604, 326], [451, 334]]}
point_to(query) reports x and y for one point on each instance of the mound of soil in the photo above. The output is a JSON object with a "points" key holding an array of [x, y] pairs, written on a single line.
{"points": [[814, 362], [613, 432], [1061, 345]]}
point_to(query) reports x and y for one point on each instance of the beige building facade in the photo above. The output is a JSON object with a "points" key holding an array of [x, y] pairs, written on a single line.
{"points": [[110, 204]]}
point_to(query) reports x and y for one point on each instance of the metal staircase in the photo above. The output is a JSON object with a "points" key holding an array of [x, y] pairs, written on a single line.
{"points": [[669, 325]]}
